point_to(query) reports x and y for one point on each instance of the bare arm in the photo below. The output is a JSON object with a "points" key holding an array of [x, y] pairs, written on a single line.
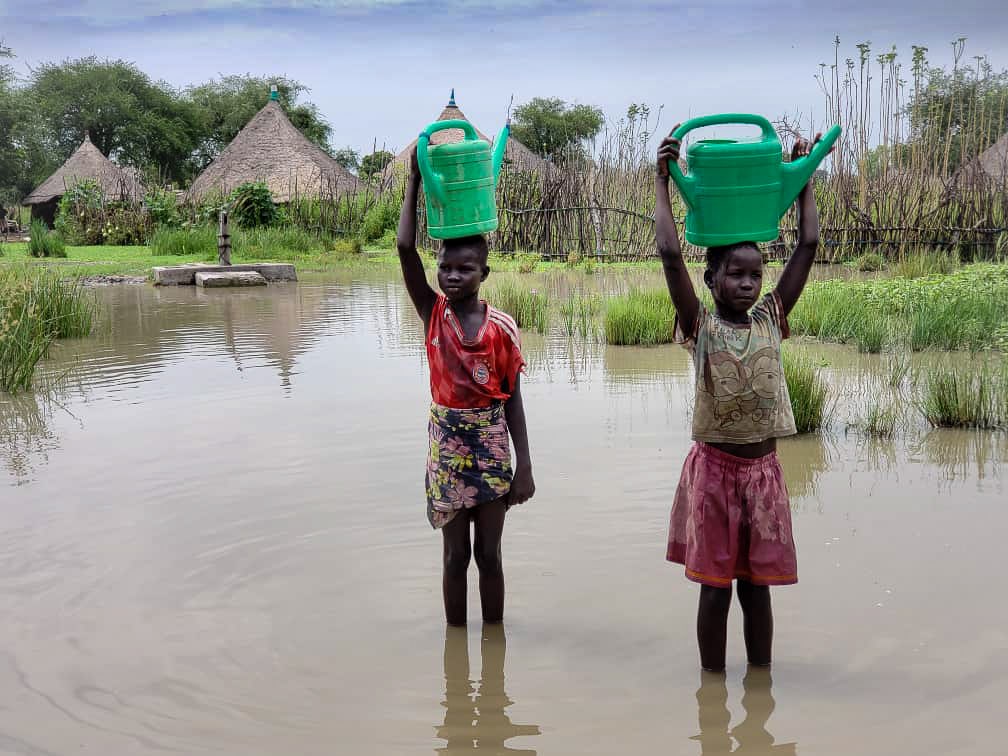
{"points": [[522, 486], [796, 271], [419, 289], [677, 277]]}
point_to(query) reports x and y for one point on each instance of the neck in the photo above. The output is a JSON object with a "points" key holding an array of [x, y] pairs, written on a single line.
{"points": [[466, 305], [730, 315]]}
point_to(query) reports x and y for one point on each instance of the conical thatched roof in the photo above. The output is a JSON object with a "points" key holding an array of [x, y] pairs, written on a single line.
{"points": [[271, 149], [994, 160], [87, 162], [516, 153]]}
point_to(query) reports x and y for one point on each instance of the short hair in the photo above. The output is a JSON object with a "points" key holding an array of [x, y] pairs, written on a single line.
{"points": [[716, 256], [476, 242]]}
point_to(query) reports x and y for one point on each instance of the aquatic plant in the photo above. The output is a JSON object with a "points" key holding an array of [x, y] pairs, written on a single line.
{"points": [[639, 317], [529, 307], [37, 306], [808, 390], [579, 313], [967, 395]]}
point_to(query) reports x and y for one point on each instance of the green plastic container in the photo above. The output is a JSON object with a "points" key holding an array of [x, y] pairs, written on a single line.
{"points": [[460, 181], [738, 190]]}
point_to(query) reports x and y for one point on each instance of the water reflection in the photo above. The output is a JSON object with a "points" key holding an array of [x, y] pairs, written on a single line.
{"points": [[26, 435], [750, 736], [474, 718]]}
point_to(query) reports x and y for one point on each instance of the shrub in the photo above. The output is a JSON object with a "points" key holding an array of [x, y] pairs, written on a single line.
{"points": [[252, 205], [45, 243], [388, 240], [347, 247], [527, 262], [384, 216], [162, 207]]}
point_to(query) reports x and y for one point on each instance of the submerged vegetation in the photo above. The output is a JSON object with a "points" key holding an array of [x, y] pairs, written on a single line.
{"points": [[37, 307]]}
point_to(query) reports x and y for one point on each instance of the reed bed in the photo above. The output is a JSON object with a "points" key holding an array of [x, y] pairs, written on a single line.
{"points": [[639, 317], [808, 390], [529, 307], [37, 307], [965, 396]]}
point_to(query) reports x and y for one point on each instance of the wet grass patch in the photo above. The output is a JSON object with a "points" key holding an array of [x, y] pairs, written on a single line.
{"points": [[639, 318], [964, 396], [37, 306], [529, 307], [807, 388]]}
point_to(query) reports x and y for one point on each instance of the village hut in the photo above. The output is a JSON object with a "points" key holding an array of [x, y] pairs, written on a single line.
{"points": [[272, 150], [117, 184], [517, 154], [994, 160]]}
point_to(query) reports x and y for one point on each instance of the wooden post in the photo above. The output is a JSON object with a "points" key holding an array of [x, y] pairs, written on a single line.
{"points": [[223, 240]]}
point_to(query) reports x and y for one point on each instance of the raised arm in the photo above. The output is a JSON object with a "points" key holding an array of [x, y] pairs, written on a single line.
{"points": [[796, 271], [677, 277], [420, 291]]}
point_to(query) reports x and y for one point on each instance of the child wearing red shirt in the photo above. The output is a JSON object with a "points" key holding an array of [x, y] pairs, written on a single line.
{"points": [[475, 360]]}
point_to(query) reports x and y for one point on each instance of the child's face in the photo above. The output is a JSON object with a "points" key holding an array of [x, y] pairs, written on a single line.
{"points": [[737, 283], [460, 272]]}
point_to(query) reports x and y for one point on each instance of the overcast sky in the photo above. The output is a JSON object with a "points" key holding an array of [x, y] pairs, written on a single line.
{"points": [[382, 69]]}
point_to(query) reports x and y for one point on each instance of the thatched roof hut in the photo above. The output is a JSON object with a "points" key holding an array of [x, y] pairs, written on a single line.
{"points": [[517, 154], [87, 162], [272, 150], [994, 160]]}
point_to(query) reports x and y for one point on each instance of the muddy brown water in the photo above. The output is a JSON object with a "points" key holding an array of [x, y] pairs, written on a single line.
{"points": [[214, 541]]}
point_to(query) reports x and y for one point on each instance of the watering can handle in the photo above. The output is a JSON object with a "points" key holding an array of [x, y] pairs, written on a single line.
{"points": [[685, 183], [433, 181]]}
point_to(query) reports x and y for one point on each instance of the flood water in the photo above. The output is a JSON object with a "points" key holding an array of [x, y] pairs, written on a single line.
{"points": [[215, 541]]}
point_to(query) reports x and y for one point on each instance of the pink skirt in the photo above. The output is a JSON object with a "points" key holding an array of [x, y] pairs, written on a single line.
{"points": [[731, 519]]}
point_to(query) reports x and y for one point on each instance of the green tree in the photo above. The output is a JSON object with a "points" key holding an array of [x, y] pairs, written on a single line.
{"points": [[959, 113], [349, 158], [8, 124], [550, 127], [130, 118], [225, 105], [375, 163]]}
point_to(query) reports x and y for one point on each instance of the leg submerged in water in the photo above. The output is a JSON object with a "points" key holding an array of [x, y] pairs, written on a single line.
{"points": [[457, 552], [712, 626], [489, 519]]}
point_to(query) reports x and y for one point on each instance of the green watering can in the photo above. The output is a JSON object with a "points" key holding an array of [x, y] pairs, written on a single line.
{"points": [[738, 190], [460, 180]]}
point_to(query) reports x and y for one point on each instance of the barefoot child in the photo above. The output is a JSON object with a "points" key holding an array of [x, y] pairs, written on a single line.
{"points": [[731, 519], [475, 364]]}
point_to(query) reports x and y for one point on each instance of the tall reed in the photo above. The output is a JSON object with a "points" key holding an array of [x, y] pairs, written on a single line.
{"points": [[37, 307]]}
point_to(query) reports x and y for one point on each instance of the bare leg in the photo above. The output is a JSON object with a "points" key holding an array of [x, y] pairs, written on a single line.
{"points": [[457, 552], [489, 520], [757, 621], [712, 626]]}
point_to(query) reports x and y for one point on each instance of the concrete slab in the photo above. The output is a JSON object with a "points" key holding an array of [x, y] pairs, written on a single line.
{"points": [[185, 275], [215, 280]]}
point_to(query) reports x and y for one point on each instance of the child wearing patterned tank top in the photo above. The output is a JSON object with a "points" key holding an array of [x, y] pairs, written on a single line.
{"points": [[474, 352], [731, 519]]}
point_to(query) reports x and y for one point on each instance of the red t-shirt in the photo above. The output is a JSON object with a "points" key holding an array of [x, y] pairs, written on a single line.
{"points": [[477, 373]]}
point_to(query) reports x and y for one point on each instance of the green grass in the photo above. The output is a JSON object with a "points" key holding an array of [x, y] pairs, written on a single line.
{"points": [[808, 390], [200, 241], [965, 396], [45, 243], [37, 306], [579, 315], [967, 309], [639, 317], [529, 307]]}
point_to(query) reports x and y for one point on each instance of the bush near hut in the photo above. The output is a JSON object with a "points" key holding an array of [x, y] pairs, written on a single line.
{"points": [[45, 243], [252, 205]]}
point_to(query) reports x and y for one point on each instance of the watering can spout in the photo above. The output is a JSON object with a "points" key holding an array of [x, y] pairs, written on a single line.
{"points": [[500, 148], [796, 174]]}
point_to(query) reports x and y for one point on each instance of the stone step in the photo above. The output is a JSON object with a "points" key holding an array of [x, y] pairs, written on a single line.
{"points": [[185, 275], [214, 280]]}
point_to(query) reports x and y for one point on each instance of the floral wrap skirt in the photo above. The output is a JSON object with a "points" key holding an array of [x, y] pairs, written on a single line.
{"points": [[469, 462]]}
